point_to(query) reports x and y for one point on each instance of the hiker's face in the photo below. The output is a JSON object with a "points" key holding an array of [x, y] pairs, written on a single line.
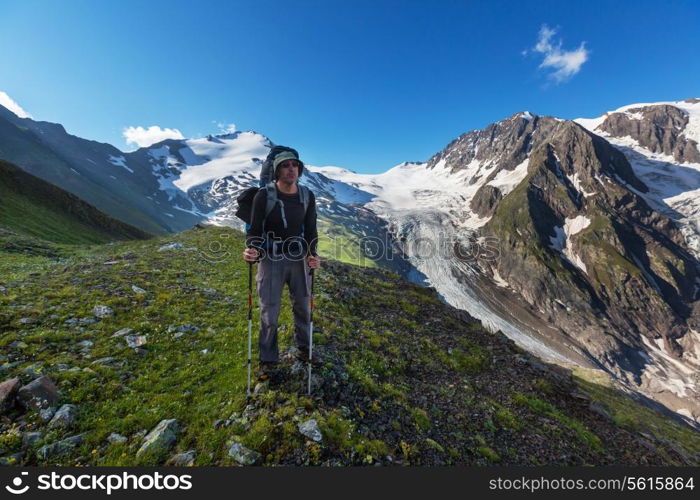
{"points": [[289, 170]]}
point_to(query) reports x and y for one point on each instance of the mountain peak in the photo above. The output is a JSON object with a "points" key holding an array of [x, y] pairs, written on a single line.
{"points": [[525, 115], [671, 129]]}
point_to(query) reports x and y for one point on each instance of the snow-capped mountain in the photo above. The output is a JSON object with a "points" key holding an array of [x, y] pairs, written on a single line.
{"points": [[578, 239], [98, 173], [660, 140], [205, 176], [594, 259]]}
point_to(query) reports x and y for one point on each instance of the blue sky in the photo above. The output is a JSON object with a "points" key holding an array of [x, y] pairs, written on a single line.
{"points": [[362, 84]]}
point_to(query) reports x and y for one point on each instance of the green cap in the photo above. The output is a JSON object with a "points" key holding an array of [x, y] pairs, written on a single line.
{"points": [[283, 156]]}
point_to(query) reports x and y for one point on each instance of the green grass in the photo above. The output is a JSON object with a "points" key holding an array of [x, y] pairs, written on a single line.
{"points": [[421, 419], [470, 358], [542, 407], [35, 208], [141, 392], [505, 418], [394, 361], [341, 244], [629, 414], [208, 386], [44, 222]]}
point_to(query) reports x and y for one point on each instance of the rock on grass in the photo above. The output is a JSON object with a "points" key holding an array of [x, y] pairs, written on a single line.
{"points": [[115, 438], [135, 341], [30, 438], [102, 311], [64, 418], [122, 332], [171, 246], [39, 393], [60, 448], [185, 459], [243, 455], [8, 390], [310, 430], [161, 438]]}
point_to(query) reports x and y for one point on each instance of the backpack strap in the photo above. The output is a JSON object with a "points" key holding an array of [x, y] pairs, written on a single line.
{"points": [[304, 197], [271, 190], [272, 200]]}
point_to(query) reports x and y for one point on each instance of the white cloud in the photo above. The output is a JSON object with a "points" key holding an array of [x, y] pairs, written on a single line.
{"points": [[543, 43], [565, 63], [226, 128], [143, 137], [9, 103]]}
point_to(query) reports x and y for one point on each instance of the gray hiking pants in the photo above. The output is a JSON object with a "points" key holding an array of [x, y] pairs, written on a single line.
{"points": [[273, 273]]}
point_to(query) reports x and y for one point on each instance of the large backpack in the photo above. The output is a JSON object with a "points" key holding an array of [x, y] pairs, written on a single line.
{"points": [[267, 182]]}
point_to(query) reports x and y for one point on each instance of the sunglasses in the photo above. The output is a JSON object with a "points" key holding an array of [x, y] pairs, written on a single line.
{"points": [[290, 163]]}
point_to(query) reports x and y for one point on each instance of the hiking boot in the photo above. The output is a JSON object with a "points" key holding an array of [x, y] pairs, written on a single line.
{"points": [[267, 371], [303, 356]]}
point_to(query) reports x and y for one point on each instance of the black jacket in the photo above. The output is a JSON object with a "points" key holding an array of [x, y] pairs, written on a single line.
{"points": [[274, 227]]}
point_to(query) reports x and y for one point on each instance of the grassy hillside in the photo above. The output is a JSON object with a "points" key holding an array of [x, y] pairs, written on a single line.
{"points": [[405, 379], [340, 242], [38, 148], [34, 207]]}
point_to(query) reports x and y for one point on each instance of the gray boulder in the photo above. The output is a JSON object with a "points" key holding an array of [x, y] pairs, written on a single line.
{"points": [[85, 344], [161, 438], [185, 459], [60, 448], [39, 393], [64, 418], [310, 430], [115, 438], [8, 391], [122, 332], [46, 414], [102, 311], [171, 246], [243, 455], [135, 341], [187, 327], [30, 438]]}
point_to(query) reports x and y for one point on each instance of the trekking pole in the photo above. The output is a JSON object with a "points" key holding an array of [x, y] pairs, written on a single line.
{"points": [[250, 321], [311, 329]]}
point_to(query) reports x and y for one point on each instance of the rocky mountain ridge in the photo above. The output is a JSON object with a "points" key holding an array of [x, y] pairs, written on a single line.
{"points": [[585, 246], [595, 264]]}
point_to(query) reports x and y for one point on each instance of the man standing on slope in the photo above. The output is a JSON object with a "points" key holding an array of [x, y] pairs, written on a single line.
{"points": [[285, 242]]}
